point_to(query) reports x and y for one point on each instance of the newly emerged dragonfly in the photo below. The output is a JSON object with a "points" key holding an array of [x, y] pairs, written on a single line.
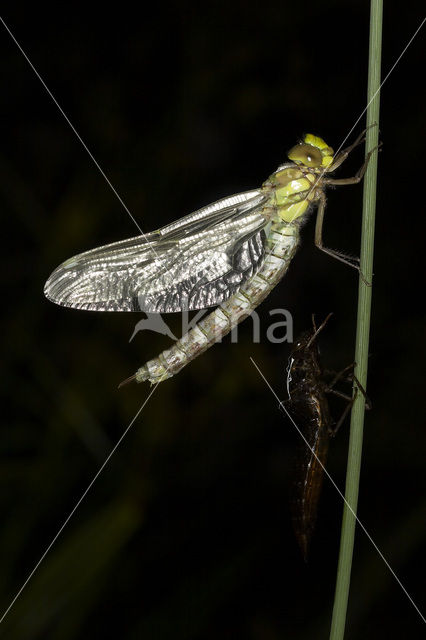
{"points": [[308, 407], [229, 254]]}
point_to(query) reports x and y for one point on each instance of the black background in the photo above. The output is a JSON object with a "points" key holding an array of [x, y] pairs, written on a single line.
{"points": [[186, 533]]}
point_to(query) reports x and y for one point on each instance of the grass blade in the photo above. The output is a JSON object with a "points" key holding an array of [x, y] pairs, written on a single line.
{"points": [[363, 331]]}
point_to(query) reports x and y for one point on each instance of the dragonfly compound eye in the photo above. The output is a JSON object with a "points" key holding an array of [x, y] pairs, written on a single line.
{"points": [[305, 154]]}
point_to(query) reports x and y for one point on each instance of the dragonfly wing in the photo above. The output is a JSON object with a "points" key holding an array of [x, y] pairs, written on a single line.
{"points": [[208, 274], [193, 263]]}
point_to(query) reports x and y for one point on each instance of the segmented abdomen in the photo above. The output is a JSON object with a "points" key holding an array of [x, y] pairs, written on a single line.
{"points": [[281, 246]]}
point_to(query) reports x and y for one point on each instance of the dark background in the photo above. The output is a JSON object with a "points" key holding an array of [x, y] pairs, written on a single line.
{"points": [[187, 533]]}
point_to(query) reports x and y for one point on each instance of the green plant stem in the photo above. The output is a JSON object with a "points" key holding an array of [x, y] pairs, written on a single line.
{"points": [[362, 333]]}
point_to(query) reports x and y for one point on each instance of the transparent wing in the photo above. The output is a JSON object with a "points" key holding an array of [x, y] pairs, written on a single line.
{"points": [[193, 263]]}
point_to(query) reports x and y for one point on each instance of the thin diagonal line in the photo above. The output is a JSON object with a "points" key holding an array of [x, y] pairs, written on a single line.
{"points": [[383, 81], [343, 497], [153, 389], [68, 518], [103, 173], [321, 174], [111, 186]]}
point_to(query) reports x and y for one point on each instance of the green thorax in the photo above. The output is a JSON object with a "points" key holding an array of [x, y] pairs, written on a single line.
{"points": [[294, 186]]}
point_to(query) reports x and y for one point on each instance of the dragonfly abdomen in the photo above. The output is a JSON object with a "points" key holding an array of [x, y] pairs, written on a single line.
{"points": [[282, 244]]}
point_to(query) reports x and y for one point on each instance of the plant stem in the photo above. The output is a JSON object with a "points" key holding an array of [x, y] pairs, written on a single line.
{"points": [[363, 330]]}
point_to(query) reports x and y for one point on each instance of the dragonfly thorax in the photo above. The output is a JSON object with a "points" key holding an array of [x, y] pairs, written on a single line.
{"points": [[296, 185], [292, 190]]}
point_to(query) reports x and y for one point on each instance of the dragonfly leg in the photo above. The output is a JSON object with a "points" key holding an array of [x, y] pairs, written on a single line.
{"points": [[338, 255], [343, 154], [350, 378], [336, 427], [359, 174], [319, 329], [368, 403], [342, 395], [338, 376], [350, 400], [318, 237]]}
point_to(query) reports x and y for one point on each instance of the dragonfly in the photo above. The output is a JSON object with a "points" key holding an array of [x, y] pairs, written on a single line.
{"points": [[308, 407], [228, 255]]}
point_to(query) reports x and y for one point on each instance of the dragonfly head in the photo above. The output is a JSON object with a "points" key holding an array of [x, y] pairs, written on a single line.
{"points": [[302, 345], [304, 355], [313, 152]]}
